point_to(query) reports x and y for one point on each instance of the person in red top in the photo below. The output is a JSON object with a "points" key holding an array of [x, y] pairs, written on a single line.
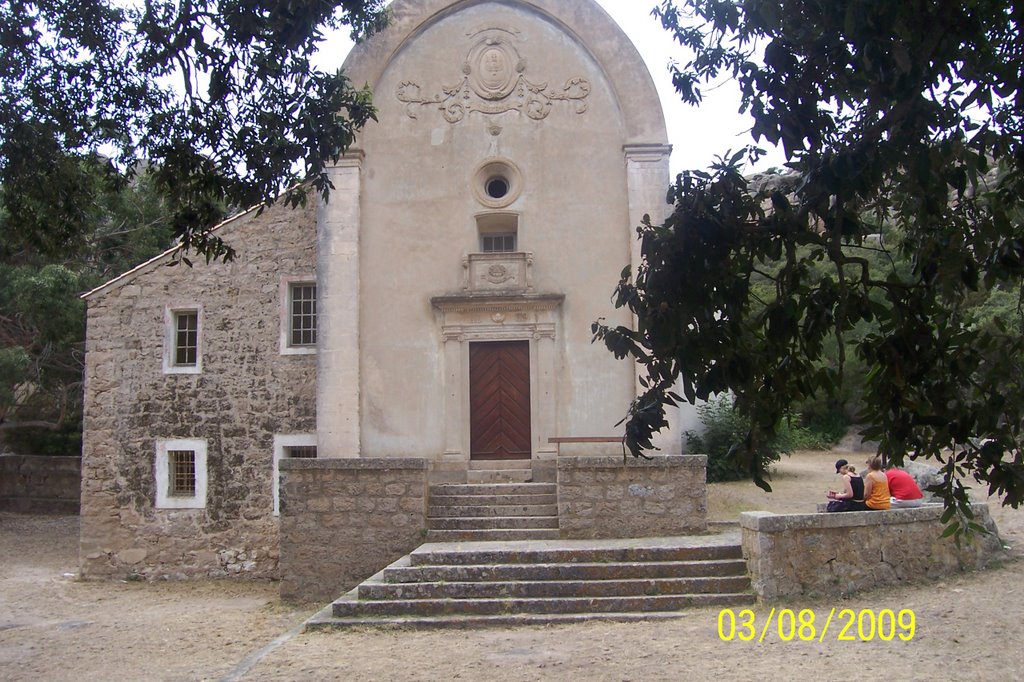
{"points": [[903, 489]]}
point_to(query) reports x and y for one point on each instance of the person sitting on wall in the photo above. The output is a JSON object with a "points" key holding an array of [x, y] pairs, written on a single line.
{"points": [[903, 490], [851, 498], [876, 486]]}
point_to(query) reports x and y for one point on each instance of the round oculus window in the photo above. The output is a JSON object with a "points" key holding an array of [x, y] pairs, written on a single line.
{"points": [[497, 187], [497, 183]]}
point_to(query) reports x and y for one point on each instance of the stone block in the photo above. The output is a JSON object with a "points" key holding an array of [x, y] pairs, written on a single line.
{"points": [[607, 497], [366, 527], [819, 555]]}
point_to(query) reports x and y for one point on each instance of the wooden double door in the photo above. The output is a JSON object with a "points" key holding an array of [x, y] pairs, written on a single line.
{"points": [[499, 400]]}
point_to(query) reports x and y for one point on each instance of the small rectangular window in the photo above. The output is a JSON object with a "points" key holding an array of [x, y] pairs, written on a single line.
{"points": [[180, 474], [186, 338], [303, 315], [181, 465], [498, 243], [300, 451]]}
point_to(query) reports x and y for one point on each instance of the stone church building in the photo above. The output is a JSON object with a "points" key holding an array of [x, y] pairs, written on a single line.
{"points": [[438, 306]]}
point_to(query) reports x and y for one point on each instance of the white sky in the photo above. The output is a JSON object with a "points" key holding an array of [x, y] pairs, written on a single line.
{"points": [[697, 134]]}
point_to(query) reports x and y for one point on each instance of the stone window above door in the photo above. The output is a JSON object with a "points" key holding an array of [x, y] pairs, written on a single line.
{"points": [[504, 242]]}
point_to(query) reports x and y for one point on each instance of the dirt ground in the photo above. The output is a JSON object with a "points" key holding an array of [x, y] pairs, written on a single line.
{"points": [[54, 627]]}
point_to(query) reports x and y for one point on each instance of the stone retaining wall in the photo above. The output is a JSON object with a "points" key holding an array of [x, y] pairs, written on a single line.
{"points": [[40, 485], [817, 555], [607, 497], [342, 520]]}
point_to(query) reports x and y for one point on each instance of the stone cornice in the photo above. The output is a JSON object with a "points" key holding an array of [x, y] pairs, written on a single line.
{"points": [[649, 153], [461, 303]]}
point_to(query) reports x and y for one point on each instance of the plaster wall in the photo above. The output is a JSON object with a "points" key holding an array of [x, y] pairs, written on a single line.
{"points": [[418, 212]]}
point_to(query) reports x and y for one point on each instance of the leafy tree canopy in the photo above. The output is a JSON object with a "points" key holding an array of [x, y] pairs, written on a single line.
{"points": [[218, 96], [42, 318], [903, 124]]}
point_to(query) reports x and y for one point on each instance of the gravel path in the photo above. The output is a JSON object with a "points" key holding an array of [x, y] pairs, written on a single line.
{"points": [[53, 627]]}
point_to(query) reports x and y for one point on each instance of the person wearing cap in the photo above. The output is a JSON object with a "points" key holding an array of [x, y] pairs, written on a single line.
{"points": [[851, 498], [904, 490]]}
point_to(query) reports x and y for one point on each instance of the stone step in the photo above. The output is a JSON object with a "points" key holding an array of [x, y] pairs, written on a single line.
{"points": [[503, 464], [491, 500], [491, 522], [492, 535], [325, 620], [535, 589], [565, 571], [493, 510], [346, 608], [426, 555], [512, 582], [494, 489], [499, 476]]}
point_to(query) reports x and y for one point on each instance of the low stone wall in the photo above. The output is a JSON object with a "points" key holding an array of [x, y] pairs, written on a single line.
{"points": [[40, 485], [816, 555], [606, 497], [342, 520]]}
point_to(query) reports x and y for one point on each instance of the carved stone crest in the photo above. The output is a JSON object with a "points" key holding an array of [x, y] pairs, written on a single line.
{"points": [[498, 274], [492, 68], [494, 82]]}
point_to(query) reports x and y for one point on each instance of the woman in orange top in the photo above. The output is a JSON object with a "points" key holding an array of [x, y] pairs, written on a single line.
{"points": [[876, 486]]}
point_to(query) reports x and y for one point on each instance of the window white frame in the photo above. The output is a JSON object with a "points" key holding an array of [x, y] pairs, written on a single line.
{"points": [[162, 473], [499, 242], [285, 315], [282, 442], [171, 315]]}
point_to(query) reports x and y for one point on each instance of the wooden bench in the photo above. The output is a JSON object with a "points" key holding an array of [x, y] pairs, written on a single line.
{"points": [[582, 439]]}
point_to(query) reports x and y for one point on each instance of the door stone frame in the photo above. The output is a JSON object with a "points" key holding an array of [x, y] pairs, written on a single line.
{"points": [[470, 318]]}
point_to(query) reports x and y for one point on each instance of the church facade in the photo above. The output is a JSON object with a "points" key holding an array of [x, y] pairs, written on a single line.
{"points": [[438, 306]]}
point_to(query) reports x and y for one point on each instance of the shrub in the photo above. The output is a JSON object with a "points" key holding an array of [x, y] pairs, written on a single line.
{"points": [[28, 440], [724, 427]]}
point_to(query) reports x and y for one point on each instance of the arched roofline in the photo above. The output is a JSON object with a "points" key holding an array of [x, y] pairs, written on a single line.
{"points": [[585, 20]]}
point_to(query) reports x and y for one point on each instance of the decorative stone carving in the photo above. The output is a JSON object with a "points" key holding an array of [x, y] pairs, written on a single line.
{"points": [[488, 273], [494, 82]]}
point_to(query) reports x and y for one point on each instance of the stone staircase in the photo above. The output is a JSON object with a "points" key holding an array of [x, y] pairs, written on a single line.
{"points": [[530, 582], [492, 511], [500, 471]]}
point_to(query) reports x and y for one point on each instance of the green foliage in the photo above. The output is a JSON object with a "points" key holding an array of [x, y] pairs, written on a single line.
{"points": [[63, 441], [903, 115], [42, 319], [220, 96], [823, 429], [14, 366], [723, 429]]}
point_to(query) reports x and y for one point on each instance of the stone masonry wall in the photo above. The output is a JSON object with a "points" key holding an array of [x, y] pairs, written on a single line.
{"points": [[247, 392], [342, 520], [40, 485], [606, 497], [817, 555]]}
